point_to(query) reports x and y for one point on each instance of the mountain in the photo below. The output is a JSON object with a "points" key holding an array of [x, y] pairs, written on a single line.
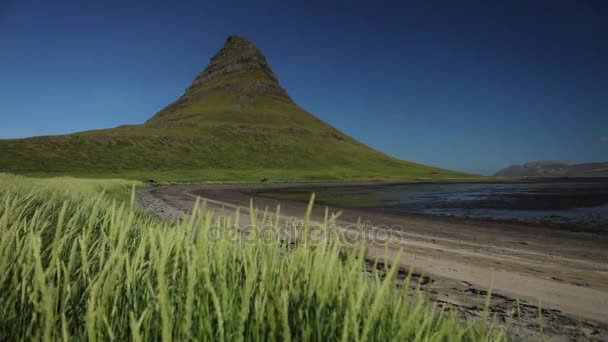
{"points": [[234, 122], [549, 169]]}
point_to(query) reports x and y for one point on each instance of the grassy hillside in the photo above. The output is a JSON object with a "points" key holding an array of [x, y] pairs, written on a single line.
{"points": [[74, 265], [234, 122], [283, 143]]}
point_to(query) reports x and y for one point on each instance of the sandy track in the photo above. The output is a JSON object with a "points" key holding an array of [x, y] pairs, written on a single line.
{"points": [[566, 271]]}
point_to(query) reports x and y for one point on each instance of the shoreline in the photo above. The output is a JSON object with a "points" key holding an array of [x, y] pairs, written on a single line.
{"points": [[567, 271], [514, 237], [314, 184], [564, 223]]}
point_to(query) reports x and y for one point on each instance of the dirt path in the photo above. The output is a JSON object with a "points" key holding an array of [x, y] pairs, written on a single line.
{"points": [[567, 272]]}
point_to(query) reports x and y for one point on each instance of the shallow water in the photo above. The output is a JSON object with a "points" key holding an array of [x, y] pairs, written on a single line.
{"points": [[573, 202]]}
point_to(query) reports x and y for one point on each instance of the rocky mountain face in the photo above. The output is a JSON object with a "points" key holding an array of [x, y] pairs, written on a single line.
{"points": [[239, 70], [239, 57], [550, 169]]}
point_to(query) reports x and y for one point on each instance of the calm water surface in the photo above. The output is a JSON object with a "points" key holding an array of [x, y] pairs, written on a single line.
{"points": [[574, 202]]}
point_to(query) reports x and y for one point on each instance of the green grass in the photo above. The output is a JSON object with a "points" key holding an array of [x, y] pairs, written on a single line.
{"points": [[76, 265], [214, 139], [247, 175]]}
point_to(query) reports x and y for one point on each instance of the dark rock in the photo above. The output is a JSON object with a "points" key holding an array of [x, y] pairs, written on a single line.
{"points": [[240, 69]]}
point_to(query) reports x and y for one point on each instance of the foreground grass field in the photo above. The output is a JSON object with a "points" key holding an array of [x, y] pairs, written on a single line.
{"points": [[78, 264]]}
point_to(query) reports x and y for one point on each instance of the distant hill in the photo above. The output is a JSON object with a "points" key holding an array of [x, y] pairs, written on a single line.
{"points": [[234, 122], [548, 169]]}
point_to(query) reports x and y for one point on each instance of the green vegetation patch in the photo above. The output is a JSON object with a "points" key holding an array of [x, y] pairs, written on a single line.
{"points": [[77, 265]]}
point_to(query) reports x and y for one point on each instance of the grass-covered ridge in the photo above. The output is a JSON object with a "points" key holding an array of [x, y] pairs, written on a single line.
{"points": [[223, 144], [75, 264]]}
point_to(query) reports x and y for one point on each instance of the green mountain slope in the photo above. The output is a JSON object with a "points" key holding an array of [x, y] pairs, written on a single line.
{"points": [[234, 122]]}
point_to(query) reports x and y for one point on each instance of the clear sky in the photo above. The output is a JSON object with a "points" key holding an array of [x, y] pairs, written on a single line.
{"points": [[468, 85]]}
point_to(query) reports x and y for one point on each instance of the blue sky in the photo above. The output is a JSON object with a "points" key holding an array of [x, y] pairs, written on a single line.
{"points": [[468, 85]]}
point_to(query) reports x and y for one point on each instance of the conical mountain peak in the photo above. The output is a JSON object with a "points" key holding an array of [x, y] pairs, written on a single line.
{"points": [[239, 56], [236, 40], [234, 122], [239, 71]]}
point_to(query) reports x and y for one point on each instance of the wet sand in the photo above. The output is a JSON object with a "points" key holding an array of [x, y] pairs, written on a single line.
{"points": [[566, 271]]}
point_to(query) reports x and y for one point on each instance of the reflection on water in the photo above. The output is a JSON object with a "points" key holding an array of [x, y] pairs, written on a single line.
{"points": [[578, 202]]}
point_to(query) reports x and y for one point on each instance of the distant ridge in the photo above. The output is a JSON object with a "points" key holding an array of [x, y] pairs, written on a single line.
{"points": [[234, 122], [551, 169]]}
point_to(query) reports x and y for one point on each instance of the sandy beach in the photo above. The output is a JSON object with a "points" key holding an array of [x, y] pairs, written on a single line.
{"points": [[562, 273]]}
